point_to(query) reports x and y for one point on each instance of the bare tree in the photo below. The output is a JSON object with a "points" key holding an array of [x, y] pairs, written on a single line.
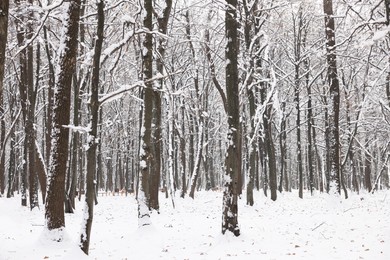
{"points": [[92, 134], [4, 7], [233, 157], [334, 89], [54, 208], [145, 154]]}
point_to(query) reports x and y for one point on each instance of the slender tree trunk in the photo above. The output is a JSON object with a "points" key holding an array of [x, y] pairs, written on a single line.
{"points": [[72, 178], [23, 83], [12, 154], [198, 159], [4, 7], [334, 89], [367, 167], [50, 94], [318, 158], [299, 147], [183, 154], [29, 123], [93, 140], [283, 150]]}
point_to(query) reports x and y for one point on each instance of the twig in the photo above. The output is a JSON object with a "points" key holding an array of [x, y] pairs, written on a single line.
{"points": [[318, 226]]}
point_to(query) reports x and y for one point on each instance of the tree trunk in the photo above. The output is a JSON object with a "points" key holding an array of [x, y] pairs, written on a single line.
{"points": [[233, 157], [367, 168], [198, 159], [283, 150], [146, 160], [334, 89], [4, 7], [156, 134], [54, 208], [183, 155], [12, 153], [92, 138]]}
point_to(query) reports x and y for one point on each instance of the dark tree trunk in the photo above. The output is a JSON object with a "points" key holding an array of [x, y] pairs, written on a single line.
{"points": [[183, 154], [146, 160], [298, 42], [92, 134], [367, 168], [54, 208], [29, 124], [271, 160], [4, 7], [283, 151], [318, 158], [50, 93], [334, 89], [12, 153], [233, 157], [156, 134], [23, 83], [298, 124]]}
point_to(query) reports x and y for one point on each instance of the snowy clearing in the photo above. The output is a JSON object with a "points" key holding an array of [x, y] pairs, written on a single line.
{"points": [[318, 227]]}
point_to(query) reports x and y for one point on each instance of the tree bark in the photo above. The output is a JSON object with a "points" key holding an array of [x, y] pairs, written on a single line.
{"points": [[146, 155], [4, 8], [54, 208], [334, 89], [92, 134], [233, 158]]}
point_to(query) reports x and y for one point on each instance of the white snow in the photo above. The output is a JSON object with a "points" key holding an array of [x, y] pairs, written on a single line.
{"points": [[379, 35], [290, 228]]}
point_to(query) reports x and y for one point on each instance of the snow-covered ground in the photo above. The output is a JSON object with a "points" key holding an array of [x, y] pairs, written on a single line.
{"points": [[318, 227]]}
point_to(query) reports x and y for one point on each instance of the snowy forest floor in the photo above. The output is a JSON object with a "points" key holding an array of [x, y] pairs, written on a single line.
{"points": [[317, 227]]}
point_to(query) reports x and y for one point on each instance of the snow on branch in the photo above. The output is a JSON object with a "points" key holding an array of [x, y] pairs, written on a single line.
{"points": [[47, 10], [80, 129], [122, 90], [116, 46]]}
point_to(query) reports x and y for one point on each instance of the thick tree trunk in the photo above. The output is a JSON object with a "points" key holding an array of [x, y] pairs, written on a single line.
{"points": [[54, 208], [157, 113], [233, 158], [146, 160]]}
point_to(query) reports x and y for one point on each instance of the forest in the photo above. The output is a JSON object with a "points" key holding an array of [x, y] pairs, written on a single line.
{"points": [[161, 100]]}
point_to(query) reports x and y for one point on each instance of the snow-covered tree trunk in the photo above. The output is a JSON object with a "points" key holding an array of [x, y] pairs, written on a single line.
{"points": [[297, 60], [334, 104], [199, 149], [233, 156], [145, 153], [54, 208], [92, 134]]}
